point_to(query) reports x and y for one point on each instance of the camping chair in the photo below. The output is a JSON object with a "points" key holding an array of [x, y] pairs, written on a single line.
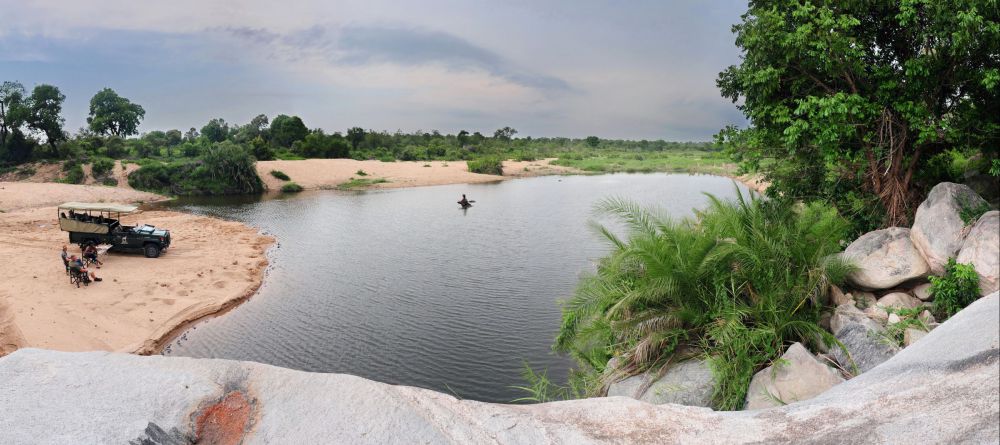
{"points": [[77, 276]]}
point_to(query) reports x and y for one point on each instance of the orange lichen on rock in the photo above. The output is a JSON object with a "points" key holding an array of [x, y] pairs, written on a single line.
{"points": [[224, 422]]}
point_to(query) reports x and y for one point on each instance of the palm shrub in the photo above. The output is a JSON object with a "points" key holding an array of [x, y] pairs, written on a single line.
{"points": [[735, 284]]}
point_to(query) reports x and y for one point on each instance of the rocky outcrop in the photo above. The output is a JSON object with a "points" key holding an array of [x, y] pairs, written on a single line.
{"points": [[940, 390], [938, 228], [982, 248], [885, 258], [796, 376], [687, 383]]}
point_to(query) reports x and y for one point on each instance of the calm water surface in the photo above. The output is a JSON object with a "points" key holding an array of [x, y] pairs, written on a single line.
{"points": [[403, 287]]}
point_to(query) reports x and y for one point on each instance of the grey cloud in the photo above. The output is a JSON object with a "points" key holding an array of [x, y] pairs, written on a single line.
{"points": [[363, 45]]}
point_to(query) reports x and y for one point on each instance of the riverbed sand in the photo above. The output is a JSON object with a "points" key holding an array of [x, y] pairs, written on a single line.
{"points": [[210, 266], [329, 173]]}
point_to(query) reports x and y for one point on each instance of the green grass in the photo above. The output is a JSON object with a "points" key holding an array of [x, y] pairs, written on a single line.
{"points": [[489, 165], [280, 175], [291, 187], [691, 161], [361, 173], [735, 284], [359, 183], [958, 288]]}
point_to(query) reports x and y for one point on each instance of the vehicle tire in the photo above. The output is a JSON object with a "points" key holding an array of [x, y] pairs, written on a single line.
{"points": [[151, 250]]}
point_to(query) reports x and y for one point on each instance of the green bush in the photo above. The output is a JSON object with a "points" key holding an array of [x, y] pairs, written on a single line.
{"points": [[224, 169], [490, 165], [74, 173], [111, 182], [958, 288], [101, 167], [736, 284], [291, 187], [361, 173], [280, 175]]}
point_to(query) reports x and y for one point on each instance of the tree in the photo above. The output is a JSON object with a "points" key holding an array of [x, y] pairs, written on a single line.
{"points": [[12, 110], [463, 138], [504, 133], [355, 136], [215, 130], [191, 135], [592, 141], [285, 130], [257, 127], [44, 109], [845, 97], [174, 137], [114, 115]]}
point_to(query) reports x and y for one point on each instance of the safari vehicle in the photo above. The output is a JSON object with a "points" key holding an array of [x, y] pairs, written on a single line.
{"points": [[100, 223]]}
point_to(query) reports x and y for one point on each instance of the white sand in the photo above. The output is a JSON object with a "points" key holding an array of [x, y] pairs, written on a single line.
{"points": [[210, 266], [328, 173]]}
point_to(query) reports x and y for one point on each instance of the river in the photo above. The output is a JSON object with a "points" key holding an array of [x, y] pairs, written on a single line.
{"points": [[402, 286]]}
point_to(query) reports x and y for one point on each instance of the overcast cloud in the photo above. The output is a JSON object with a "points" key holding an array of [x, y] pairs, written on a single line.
{"points": [[637, 70]]}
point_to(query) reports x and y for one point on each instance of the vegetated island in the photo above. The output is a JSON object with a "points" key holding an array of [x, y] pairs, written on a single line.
{"points": [[142, 302]]}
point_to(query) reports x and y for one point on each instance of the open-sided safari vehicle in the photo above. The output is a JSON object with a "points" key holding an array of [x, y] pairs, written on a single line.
{"points": [[100, 223]]}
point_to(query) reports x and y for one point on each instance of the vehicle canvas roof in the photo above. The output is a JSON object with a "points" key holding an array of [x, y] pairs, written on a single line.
{"points": [[98, 207]]}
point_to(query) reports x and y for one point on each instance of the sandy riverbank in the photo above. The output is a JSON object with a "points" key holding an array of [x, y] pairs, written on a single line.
{"points": [[328, 173], [211, 266]]}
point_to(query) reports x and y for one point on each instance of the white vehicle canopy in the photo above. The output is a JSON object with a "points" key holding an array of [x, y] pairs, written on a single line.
{"points": [[88, 217]]}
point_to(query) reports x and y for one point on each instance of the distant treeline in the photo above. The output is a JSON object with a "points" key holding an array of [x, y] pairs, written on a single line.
{"points": [[31, 128]]}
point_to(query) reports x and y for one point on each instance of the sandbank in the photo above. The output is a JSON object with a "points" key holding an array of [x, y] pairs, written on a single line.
{"points": [[314, 174], [210, 266]]}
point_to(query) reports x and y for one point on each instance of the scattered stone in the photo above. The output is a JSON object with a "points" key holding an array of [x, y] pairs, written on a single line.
{"points": [[796, 376], [938, 230], [687, 383], [846, 314], [837, 296], [923, 292], [911, 335], [893, 319], [824, 320], [898, 300], [885, 258], [877, 313], [982, 249], [926, 317], [867, 347], [864, 300]]}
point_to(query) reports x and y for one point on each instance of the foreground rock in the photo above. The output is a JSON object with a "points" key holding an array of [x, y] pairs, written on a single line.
{"points": [[885, 258], [940, 390], [797, 376], [687, 383], [938, 229], [982, 249]]}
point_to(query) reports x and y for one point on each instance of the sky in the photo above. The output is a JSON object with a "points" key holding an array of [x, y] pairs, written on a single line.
{"points": [[627, 70]]}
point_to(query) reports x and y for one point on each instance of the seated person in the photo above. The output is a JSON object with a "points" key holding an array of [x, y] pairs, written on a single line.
{"points": [[90, 253], [76, 265]]}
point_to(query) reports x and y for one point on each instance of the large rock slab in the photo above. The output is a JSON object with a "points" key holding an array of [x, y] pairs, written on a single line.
{"points": [[885, 258], [942, 389], [687, 383], [796, 376], [982, 248], [938, 230]]}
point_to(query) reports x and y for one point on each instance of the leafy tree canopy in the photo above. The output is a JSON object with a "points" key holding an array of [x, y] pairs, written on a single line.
{"points": [[285, 130], [114, 115], [849, 100]]}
